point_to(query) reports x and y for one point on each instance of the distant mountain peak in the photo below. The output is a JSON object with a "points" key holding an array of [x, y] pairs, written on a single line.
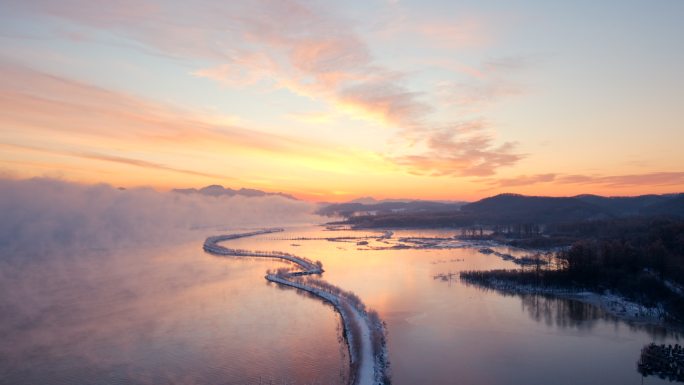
{"points": [[216, 190], [364, 200]]}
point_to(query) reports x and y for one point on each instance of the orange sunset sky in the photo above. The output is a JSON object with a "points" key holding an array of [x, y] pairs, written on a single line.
{"points": [[336, 100]]}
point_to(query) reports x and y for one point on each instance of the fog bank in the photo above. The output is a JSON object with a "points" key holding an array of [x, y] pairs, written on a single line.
{"points": [[88, 271], [41, 216]]}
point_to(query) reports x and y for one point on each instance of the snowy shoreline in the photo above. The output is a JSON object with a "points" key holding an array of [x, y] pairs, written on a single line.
{"points": [[364, 333], [613, 304]]}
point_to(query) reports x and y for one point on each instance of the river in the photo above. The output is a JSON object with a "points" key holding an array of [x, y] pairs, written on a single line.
{"points": [[175, 314]]}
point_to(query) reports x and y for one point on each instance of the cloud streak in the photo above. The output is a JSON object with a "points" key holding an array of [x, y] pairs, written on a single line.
{"points": [[118, 159], [462, 150], [617, 181]]}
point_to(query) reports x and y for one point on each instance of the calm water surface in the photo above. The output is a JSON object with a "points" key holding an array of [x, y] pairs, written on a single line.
{"points": [[176, 315]]}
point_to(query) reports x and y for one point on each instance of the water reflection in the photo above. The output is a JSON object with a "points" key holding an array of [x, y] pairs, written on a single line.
{"points": [[343, 372], [566, 313], [562, 313], [180, 316], [171, 315]]}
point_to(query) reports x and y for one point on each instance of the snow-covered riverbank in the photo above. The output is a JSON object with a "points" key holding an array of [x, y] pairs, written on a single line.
{"points": [[610, 303], [363, 331]]}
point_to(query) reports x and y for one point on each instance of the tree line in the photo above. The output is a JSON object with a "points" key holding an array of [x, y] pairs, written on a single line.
{"points": [[639, 258]]}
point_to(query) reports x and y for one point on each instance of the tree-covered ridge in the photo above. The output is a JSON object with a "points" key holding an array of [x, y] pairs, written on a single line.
{"points": [[514, 209], [638, 258]]}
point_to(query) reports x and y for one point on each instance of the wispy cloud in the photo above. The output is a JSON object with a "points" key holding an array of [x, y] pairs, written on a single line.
{"points": [[476, 94], [618, 181], [493, 81], [461, 150], [454, 34], [117, 159], [65, 117], [520, 180], [647, 179], [309, 50]]}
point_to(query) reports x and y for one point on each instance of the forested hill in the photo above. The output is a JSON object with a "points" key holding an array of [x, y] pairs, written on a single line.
{"points": [[506, 209], [510, 208], [513, 208]]}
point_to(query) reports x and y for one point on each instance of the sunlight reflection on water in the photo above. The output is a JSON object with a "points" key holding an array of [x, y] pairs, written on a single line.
{"points": [[178, 315]]}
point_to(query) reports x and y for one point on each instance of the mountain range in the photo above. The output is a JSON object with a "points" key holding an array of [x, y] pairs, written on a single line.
{"points": [[509, 209]]}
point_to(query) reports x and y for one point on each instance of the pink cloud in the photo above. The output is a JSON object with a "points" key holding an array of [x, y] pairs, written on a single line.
{"points": [[391, 101], [461, 150]]}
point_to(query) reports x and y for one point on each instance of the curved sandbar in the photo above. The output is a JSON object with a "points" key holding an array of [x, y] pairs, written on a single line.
{"points": [[363, 330]]}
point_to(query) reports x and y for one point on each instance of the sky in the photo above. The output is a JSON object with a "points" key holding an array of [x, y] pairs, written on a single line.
{"points": [[331, 101]]}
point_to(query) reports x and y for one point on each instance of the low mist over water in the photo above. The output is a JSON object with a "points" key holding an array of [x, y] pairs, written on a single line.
{"points": [[101, 285], [48, 216], [163, 315]]}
